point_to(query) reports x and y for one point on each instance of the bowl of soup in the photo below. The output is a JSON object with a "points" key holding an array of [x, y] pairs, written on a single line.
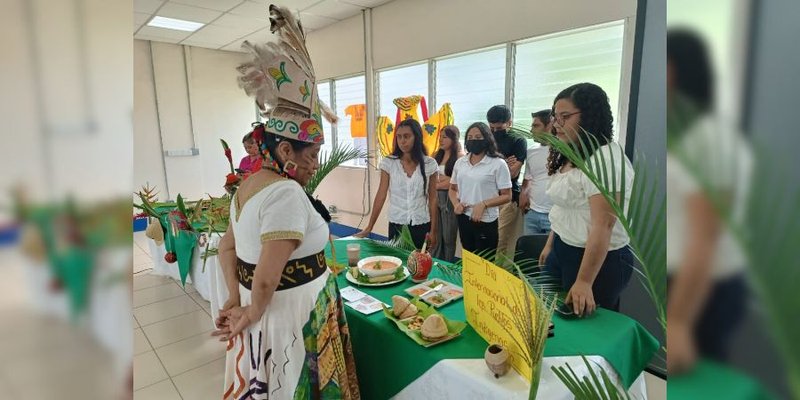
{"points": [[379, 266]]}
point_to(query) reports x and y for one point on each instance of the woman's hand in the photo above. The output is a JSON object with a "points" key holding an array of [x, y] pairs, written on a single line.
{"points": [[232, 302], [459, 208], [432, 240], [477, 211], [543, 255], [581, 297], [681, 352], [234, 321]]}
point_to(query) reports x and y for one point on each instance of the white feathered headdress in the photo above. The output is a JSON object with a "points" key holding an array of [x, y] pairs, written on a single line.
{"points": [[281, 78]]}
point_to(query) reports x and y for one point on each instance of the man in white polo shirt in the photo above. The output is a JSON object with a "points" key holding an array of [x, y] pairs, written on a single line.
{"points": [[534, 201]]}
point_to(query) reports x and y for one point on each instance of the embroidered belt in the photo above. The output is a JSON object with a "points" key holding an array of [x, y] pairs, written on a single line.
{"points": [[296, 272]]}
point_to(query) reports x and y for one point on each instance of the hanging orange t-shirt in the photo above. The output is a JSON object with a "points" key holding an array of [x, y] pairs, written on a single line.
{"points": [[358, 120]]}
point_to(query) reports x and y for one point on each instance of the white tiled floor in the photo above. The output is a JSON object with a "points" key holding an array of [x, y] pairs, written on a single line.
{"points": [[175, 356]]}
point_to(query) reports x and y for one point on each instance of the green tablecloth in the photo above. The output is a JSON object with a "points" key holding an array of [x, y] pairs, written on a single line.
{"points": [[387, 360], [709, 380]]}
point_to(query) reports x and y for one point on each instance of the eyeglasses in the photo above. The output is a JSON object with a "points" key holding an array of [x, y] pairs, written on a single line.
{"points": [[563, 117]]}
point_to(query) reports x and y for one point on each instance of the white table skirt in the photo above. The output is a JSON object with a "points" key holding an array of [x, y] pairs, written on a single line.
{"points": [[465, 379], [199, 278], [107, 316], [209, 283]]}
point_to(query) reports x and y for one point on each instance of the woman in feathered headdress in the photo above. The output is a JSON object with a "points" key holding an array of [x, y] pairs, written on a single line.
{"points": [[284, 308]]}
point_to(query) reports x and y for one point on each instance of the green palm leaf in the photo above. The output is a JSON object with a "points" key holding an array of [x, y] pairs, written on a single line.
{"points": [[643, 217], [332, 160]]}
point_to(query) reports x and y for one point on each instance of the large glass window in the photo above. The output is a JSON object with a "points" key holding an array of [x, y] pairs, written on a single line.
{"points": [[401, 82], [352, 111], [471, 83], [546, 66]]}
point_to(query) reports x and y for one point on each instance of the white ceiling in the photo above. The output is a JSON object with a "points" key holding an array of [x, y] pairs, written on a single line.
{"points": [[230, 22]]}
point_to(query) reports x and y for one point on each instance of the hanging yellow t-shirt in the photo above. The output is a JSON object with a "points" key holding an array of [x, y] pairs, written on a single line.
{"points": [[358, 120]]}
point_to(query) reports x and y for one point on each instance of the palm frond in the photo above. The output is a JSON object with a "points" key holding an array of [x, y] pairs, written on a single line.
{"points": [[332, 160]]}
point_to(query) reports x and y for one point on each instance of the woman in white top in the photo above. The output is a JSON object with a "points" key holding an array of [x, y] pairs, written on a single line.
{"points": [[587, 250], [449, 151], [481, 183], [409, 176]]}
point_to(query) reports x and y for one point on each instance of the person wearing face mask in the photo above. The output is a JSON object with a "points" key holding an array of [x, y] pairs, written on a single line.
{"points": [[284, 306], [514, 148], [481, 183], [409, 176], [587, 249]]}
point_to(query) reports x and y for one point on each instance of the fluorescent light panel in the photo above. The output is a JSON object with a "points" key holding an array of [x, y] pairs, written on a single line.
{"points": [[177, 24]]}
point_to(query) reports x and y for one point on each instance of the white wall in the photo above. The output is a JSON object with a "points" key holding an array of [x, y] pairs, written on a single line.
{"points": [[185, 104], [407, 31], [66, 99]]}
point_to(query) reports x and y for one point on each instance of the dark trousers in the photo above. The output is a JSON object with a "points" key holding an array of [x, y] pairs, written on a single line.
{"points": [[477, 237], [418, 232], [564, 261], [722, 313]]}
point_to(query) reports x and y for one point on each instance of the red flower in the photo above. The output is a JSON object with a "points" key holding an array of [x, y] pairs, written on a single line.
{"points": [[231, 179]]}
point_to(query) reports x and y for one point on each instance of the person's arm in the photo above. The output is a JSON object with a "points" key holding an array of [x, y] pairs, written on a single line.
{"points": [[443, 183], [227, 261], [503, 197], [602, 223], [433, 209], [524, 200], [520, 153], [377, 205], [691, 285], [267, 276], [458, 207], [548, 247]]}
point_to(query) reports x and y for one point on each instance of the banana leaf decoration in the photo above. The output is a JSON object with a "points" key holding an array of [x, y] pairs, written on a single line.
{"points": [[384, 135]]}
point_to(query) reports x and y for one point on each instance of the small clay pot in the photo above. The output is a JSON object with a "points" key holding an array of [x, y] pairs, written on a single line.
{"points": [[497, 359]]}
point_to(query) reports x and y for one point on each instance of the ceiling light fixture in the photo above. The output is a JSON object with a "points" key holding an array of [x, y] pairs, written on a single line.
{"points": [[176, 24]]}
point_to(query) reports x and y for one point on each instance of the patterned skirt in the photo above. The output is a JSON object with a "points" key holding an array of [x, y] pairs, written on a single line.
{"points": [[300, 349]]}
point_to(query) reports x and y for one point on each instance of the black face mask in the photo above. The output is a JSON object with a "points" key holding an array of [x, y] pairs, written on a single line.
{"points": [[477, 146], [499, 132]]}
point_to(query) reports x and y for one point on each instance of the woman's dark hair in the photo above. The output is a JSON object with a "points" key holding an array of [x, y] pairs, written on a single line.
{"points": [[498, 113], [688, 56], [597, 122], [491, 149], [543, 115], [451, 131], [269, 141], [418, 151]]}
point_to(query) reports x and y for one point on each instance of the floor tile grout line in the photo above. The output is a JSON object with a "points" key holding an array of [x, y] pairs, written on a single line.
{"points": [[167, 319], [200, 366], [150, 287], [183, 372], [160, 300]]}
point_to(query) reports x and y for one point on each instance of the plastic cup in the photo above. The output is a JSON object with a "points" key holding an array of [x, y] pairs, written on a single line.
{"points": [[353, 254]]}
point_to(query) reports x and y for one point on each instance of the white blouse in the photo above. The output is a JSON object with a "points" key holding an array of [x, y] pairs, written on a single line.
{"points": [[570, 217], [280, 210], [481, 182], [723, 156], [408, 199]]}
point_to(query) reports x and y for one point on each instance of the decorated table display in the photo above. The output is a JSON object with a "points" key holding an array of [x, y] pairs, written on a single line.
{"points": [[382, 350]]}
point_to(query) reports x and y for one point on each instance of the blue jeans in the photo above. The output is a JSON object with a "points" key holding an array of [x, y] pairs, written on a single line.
{"points": [[536, 223]]}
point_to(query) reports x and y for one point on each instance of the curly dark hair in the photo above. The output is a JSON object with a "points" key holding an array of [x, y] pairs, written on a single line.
{"points": [[597, 122]]}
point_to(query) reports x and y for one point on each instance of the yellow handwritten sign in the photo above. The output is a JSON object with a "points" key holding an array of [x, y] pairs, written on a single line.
{"points": [[492, 300]]}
